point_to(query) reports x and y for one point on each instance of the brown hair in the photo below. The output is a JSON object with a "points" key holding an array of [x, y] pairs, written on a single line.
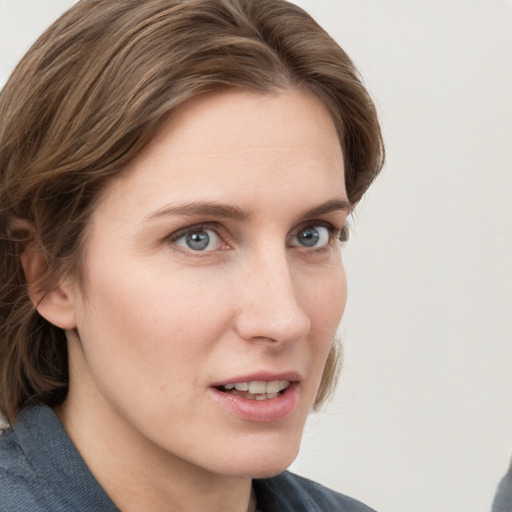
{"points": [[88, 96]]}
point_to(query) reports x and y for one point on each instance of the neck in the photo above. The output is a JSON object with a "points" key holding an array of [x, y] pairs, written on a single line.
{"points": [[136, 474]]}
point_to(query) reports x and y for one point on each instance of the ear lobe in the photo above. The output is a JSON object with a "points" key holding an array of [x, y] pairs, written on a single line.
{"points": [[53, 299]]}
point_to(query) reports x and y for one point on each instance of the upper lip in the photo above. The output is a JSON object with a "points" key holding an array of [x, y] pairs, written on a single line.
{"points": [[291, 376]]}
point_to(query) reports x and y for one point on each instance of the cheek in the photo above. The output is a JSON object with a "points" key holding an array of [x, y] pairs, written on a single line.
{"points": [[325, 299], [150, 317], [142, 342]]}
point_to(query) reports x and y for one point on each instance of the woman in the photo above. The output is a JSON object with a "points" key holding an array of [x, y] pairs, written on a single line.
{"points": [[176, 177]]}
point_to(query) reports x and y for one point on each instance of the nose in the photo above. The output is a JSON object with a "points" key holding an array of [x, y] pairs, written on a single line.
{"points": [[269, 305]]}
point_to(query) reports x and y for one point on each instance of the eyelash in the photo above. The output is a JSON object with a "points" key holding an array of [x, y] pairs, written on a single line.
{"points": [[333, 233], [174, 237], [340, 235]]}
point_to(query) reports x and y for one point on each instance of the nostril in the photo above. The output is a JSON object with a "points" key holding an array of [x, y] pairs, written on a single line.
{"points": [[273, 327]]}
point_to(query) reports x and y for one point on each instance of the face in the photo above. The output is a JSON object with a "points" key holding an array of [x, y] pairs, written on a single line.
{"points": [[214, 283]]}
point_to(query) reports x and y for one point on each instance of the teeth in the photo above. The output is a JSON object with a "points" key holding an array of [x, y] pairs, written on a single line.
{"points": [[276, 385], [250, 396], [259, 387]]}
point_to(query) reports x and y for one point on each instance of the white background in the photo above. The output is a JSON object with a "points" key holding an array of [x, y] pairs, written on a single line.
{"points": [[422, 421]]}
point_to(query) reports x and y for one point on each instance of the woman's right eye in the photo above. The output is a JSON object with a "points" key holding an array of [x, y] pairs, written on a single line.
{"points": [[199, 239]]}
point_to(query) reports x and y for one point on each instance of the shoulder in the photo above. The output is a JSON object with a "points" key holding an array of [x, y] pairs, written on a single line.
{"points": [[287, 492], [13, 463], [41, 470], [10, 451], [19, 485], [503, 498]]}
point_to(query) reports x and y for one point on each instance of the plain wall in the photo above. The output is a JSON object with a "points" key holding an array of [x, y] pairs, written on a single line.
{"points": [[422, 419]]}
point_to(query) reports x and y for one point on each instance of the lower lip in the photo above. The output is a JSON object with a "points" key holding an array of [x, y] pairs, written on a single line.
{"points": [[260, 411]]}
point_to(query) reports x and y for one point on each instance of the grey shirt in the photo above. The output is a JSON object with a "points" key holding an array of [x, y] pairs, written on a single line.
{"points": [[42, 471]]}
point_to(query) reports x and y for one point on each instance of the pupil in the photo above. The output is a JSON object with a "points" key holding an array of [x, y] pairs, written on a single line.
{"points": [[198, 240], [309, 237]]}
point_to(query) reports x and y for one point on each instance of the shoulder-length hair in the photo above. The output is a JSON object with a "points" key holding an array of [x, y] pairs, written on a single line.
{"points": [[90, 94]]}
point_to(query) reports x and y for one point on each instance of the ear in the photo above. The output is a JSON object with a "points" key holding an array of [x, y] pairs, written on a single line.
{"points": [[53, 299]]}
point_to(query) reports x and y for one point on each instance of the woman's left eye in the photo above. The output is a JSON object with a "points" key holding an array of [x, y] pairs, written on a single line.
{"points": [[200, 239], [316, 236]]}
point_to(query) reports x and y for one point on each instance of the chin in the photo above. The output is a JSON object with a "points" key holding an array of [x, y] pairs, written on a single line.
{"points": [[263, 460]]}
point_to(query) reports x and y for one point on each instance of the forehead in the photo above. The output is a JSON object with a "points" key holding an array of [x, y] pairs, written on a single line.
{"points": [[235, 118], [236, 140]]}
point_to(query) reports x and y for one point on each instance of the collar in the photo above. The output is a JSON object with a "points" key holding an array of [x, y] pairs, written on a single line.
{"points": [[57, 462]]}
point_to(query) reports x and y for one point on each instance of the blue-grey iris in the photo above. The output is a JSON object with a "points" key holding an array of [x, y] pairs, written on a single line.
{"points": [[198, 240], [308, 237]]}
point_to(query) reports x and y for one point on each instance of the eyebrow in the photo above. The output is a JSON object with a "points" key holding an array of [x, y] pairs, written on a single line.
{"points": [[332, 205], [206, 208], [213, 209]]}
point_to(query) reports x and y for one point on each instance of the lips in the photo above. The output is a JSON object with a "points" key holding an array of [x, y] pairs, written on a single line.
{"points": [[261, 397]]}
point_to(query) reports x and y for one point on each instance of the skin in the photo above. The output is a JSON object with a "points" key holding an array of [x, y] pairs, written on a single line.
{"points": [[157, 323]]}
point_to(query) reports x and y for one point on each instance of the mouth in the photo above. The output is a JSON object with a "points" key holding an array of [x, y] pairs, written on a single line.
{"points": [[261, 397], [256, 389]]}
